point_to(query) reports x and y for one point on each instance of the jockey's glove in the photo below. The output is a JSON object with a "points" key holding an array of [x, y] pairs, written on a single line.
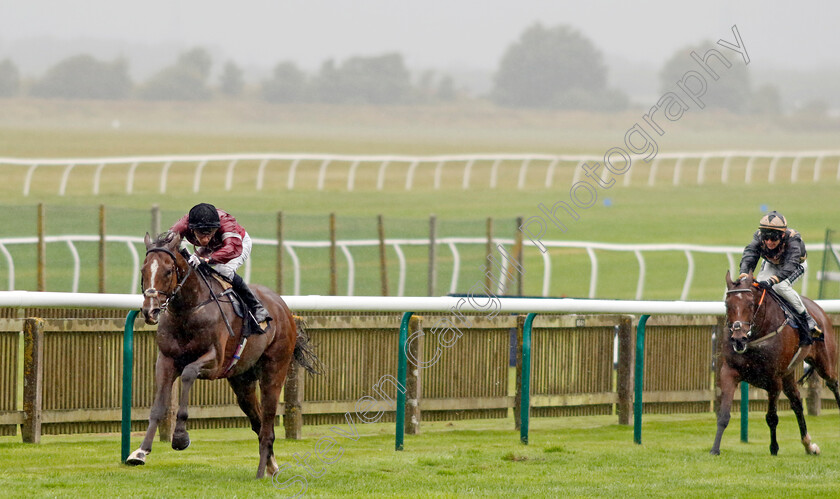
{"points": [[195, 261], [766, 284]]}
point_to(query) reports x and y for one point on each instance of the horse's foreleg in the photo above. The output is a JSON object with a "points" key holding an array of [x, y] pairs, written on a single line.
{"points": [[772, 418], [180, 437], [727, 391], [792, 393], [271, 383], [164, 378]]}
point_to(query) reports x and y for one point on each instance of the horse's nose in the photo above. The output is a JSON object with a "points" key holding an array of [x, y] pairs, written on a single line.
{"points": [[739, 344], [151, 315]]}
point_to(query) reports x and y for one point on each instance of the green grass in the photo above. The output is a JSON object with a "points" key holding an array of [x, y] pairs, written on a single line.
{"points": [[566, 457]]}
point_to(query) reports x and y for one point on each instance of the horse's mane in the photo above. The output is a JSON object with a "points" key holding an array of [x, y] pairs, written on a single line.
{"points": [[163, 239]]}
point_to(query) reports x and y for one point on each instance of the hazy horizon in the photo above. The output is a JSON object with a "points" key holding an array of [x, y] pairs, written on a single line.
{"points": [[465, 39]]}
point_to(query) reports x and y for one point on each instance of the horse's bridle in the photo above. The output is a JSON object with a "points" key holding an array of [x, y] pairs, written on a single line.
{"points": [[153, 293], [739, 325]]}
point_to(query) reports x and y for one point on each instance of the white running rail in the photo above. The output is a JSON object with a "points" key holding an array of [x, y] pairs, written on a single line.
{"points": [[452, 244], [532, 170]]}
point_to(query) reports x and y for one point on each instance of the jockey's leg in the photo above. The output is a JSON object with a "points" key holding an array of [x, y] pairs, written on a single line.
{"points": [[260, 313], [786, 291]]}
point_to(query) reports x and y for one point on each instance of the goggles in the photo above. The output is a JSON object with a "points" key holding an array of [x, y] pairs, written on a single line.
{"points": [[771, 235]]}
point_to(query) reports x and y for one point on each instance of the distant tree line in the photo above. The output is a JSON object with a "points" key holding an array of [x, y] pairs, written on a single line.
{"points": [[547, 67]]}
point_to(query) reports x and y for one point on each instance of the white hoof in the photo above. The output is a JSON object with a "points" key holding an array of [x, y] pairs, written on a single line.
{"points": [[136, 458], [813, 449]]}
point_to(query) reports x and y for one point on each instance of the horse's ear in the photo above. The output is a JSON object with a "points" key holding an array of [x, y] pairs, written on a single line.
{"points": [[729, 282], [173, 240], [147, 240]]}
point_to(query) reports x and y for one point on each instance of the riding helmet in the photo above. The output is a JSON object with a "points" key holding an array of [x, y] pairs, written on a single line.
{"points": [[204, 216], [773, 221]]}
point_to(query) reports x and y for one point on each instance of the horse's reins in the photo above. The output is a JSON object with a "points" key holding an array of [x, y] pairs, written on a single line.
{"points": [[738, 324]]}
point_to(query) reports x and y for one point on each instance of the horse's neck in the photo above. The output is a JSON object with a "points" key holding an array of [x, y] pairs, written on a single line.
{"points": [[192, 293]]}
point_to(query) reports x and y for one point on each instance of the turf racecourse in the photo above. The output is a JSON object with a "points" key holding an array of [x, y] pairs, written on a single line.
{"points": [[566, 457]]}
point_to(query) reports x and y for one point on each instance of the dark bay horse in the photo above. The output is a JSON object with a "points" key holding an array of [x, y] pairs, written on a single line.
{"points": [[194, 342], [762, 349]]}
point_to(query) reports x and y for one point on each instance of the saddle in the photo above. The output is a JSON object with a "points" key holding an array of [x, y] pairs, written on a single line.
{"points": [[249, 326]]}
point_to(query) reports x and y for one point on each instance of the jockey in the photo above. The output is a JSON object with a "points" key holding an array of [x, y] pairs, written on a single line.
{"points": [[783, 254], [223, 244]]}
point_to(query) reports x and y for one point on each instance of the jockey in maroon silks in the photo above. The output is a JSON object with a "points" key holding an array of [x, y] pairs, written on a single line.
{"points": [[783, 254], [223, 244]]}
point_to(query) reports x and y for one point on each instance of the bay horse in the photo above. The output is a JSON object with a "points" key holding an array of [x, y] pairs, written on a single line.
{"points": [[762, 349], [198, 338]]}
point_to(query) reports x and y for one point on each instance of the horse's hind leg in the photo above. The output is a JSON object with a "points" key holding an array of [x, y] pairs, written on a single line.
{"points": [[245, 388], [772, 417], [792, 393], [271, 383], [164, 377]]}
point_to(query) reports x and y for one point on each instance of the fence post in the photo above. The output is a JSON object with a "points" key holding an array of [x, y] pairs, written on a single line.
{"points": [[33, 375], [526, 378], [719, 340], [155, 225], [517, 253], [127, 379], [413, 385], [383, 265], [625, 370], [293, 398], [101, 248], [814, 396], [639, 379], [280, 252], [432, 256], [517, 398], [402, 367], [42, 249], [333, 268], [488, 253]]}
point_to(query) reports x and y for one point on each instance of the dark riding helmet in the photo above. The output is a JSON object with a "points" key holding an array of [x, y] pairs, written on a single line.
{"points": [[204, 216], [772, 226]]}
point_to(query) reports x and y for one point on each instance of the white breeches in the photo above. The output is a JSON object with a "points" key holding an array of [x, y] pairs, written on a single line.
{"points": [[229, 268], [784, 288]]}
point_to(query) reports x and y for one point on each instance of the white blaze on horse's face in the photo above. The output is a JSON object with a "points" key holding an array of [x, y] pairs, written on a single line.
{"points": [[151, 296]]}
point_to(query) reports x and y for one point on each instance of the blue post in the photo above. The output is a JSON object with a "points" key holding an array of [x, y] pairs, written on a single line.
{"points": [[128, 375], [639, 379], [525, 406], [745, 411], [402, 375]]}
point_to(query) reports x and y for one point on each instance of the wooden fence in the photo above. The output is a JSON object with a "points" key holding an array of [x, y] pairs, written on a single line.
{"points": [[63, 374]]}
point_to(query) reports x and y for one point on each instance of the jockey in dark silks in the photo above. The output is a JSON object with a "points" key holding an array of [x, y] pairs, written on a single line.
{"points": [[783, 254], [224, 245]]}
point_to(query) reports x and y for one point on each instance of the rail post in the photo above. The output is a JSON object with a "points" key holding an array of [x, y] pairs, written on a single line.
{"points": [[525, 411], [402, 370], [745, 411], [128, 377], [33, 379], [639, 381]]}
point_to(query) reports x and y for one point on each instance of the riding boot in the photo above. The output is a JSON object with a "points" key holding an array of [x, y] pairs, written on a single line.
{"points": [[813, 328], [259, 313]]}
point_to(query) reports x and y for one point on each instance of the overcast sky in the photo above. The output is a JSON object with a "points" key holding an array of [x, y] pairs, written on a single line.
{"points": [[433, 33]]}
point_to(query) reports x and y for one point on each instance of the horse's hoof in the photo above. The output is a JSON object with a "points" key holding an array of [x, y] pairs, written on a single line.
{"points": [[715, 452], [136, 458], [813, 449], [180, 441]]}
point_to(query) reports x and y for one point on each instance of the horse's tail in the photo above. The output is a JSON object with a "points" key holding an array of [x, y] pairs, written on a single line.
{"points": [[809, 371], [304, 350]]}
